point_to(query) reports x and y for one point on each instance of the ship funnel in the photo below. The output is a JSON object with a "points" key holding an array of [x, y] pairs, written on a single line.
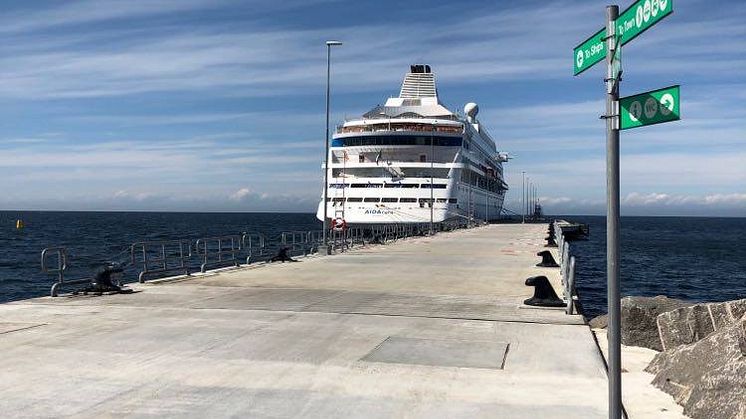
{"points": [[418, 83], [471, 110]]}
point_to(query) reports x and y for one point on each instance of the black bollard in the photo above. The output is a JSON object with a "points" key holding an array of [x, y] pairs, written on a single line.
{"points": [[544, 295], [550, 241], [547, 260], [102, 281], [282, 256]]}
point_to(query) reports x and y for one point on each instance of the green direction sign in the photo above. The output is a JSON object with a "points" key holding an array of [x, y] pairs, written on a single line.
{"points": [[637, 18], [649, 108], [633, 21], [588, 53]]}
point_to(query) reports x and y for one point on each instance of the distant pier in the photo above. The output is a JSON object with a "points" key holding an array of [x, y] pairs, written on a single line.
{"points": [[424, 327]]}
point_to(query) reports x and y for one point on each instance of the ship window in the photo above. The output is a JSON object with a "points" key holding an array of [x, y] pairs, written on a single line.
{"points": [[407, 199], [389, 199], [442, 200], [452, 200], [372, 199], [410, 185], [397, 140], [354, 199], [392, 185], [361, 158], [423, 158], [338, 199], [427, 201]]}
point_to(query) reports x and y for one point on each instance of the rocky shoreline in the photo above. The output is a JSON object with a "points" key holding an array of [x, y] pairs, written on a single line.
{"points": [[701, 358]]}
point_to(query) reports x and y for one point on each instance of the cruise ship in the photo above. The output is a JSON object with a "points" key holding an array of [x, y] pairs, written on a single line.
{"points": [[412, 160]]}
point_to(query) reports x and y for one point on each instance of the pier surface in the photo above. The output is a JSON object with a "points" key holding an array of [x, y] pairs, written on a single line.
{"points": [[425, 327]]}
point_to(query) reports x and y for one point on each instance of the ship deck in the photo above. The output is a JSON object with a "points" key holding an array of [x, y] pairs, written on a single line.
{"points": [[426, 327]]}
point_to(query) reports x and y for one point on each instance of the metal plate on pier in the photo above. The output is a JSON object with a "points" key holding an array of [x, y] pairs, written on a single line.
{"points": [[440, 353]]}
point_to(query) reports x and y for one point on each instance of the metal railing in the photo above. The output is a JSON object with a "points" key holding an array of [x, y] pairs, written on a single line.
{"points": [[218, 250], [59, 270], [161, 256], [152, 258], [301, 242], [254, 245], [567, 268]]}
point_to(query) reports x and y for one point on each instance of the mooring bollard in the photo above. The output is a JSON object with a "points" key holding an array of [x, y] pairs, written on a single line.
{"points": [[544, 295], [547, 260]]}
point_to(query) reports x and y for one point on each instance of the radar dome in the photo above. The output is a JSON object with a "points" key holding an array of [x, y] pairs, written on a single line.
{"points": [[471, 110]]}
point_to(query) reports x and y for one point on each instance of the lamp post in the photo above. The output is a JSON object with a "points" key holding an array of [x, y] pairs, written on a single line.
{"points": [[329, 45], [531, 201], [523, 195], [528, 196], [432, 157]]}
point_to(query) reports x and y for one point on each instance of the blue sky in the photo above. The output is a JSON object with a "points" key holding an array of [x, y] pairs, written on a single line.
{"points": [[219, 105]]}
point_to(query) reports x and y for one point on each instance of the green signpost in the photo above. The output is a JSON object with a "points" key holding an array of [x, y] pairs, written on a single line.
{"points": [[649, 108], [654, 107], [636, 19]]}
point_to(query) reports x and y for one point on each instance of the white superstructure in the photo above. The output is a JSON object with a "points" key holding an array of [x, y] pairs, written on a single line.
{"points": [[413, 160]]}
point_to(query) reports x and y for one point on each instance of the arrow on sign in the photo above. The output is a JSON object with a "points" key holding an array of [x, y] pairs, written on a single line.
{"points": [[649, 108]]}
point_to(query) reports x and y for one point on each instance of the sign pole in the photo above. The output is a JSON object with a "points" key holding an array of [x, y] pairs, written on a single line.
{"points": [[612, 219]]}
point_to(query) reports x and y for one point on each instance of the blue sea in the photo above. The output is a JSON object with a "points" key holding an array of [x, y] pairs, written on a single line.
{"points": [[696, 259]]}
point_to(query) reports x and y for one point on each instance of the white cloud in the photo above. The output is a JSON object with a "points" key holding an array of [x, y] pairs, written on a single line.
{"points": [[549, 200], [241, 194], [653, 203], [658, 199], [733, 198], [127, 195]]}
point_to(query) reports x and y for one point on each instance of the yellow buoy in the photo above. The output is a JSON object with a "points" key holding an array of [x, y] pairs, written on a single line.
{"points": [[19, 224]]}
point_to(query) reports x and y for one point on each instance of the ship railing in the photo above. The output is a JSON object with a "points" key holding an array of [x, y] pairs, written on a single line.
{"points": [[49, 256], [218, 250], [161, 256], [254, 245]]}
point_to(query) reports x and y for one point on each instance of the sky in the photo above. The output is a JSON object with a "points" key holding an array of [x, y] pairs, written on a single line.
{"points": [[217, 105]]}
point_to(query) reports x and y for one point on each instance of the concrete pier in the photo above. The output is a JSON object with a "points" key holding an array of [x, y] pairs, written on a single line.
{"points": [[426, 327]]}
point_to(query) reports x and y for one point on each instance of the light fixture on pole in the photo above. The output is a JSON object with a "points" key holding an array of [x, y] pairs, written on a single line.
{"points": [[523, 196], [325, 244]]}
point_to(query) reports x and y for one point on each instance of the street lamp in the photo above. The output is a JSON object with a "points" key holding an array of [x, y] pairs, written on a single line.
{"points": [[528, 197], [523, 195], [329, 45]]}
